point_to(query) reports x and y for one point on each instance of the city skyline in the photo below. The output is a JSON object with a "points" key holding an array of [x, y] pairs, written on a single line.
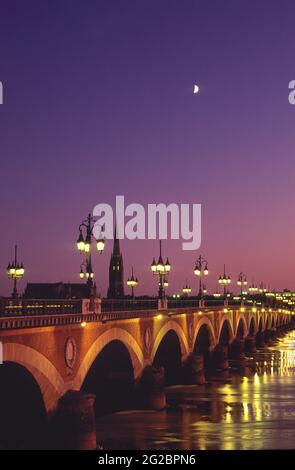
{"points": [[210, 281], [98, 101]]}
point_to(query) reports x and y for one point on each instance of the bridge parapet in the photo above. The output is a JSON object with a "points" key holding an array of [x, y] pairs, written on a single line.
{"points": [[53, 314]]}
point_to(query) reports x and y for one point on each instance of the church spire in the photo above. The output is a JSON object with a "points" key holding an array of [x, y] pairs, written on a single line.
{"points": [[116, 248], [116, 271]]}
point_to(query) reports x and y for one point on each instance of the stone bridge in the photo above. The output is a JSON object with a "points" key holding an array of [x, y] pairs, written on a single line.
{"points": [[60, 352]]}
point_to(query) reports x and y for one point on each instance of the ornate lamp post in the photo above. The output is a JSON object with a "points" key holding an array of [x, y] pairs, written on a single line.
{"points": [[224, 281], [262, 288], [15, 271], [132, 282], [161, 270], [84, 243], [186, 290], [201, 267], [253, 289], [242, 281]]}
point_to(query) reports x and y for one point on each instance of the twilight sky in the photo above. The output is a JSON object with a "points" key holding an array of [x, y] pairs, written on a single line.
{"points": [[98, 102]]}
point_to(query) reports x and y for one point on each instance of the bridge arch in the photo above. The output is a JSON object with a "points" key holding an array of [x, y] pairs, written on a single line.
{"points": [[111, 378], [225, 333], [44, 372], [242, 328], [204, 325], [168, 355], [260, 323], [252, 329], [174, 326], [23, 422], [114, 334]]}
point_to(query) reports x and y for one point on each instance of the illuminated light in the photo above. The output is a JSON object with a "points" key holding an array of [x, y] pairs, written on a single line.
{"points": [[80, 242], [83, 324], [199, 313], [242, 309], [254, 310], [81, 274], [263, 309], [87, 247], [160, 316], [186, 290], [100, 244], [154, 266], [225, 310], [197, 272], [167, 266]]}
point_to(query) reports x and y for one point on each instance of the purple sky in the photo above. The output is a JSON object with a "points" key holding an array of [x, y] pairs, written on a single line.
{"points": [[98, 102]]}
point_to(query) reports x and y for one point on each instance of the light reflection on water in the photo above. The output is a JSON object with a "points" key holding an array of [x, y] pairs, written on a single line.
{"points": [[251, 407]]}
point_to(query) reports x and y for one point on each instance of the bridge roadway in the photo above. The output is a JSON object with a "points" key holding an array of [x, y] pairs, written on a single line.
{"points": [[58, 345]]}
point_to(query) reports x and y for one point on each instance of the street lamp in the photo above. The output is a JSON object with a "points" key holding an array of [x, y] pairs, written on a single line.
{"points": [[132, 282], [201, 267], [262, 289], [161, 270], [186, 290], [16, 272], [84, 243], [253, 289], [224, 281], [86, 271], [242, 281]]}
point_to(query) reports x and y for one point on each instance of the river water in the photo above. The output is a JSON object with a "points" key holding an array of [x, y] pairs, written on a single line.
{"points": [[252, 406]]}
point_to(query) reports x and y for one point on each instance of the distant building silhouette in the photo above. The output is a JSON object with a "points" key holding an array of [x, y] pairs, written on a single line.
{"points": [[116, 272], [57, 290]]}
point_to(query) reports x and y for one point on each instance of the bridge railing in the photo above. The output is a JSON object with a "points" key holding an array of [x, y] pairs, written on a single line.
{"points": [[110, 305], [189, 302], [39, 321], [39, 307]]}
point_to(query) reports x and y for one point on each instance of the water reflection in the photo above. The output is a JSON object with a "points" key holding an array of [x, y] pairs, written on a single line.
{"points": [[250, 407]]}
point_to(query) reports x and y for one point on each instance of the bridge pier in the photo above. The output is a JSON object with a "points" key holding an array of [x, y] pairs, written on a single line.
{"points": [[219, 358], [74, 424], [273, 334], [250, 344], [151, 388], [260, 343], [237, 349], [279, 331], [193, 369], [268, 336]]}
